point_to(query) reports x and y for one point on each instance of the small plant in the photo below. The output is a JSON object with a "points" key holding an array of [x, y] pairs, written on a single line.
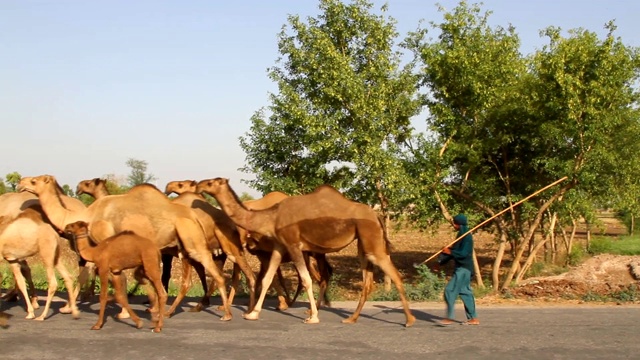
{"points": [[429, 286], [576, 255]]}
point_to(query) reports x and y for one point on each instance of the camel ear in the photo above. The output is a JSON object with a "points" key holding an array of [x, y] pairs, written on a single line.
{"points": [[97, 181], [194, 183], [47, 179]]}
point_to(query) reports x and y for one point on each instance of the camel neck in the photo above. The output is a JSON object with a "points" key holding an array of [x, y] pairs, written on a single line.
{"points": [[55, 210], [83, 247]]}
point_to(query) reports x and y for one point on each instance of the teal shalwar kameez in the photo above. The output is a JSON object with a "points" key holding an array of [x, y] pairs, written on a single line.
{"points": [[460, 282]]}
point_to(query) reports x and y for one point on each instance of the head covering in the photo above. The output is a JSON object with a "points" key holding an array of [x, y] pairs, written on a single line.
{"points": [[461, 220]]}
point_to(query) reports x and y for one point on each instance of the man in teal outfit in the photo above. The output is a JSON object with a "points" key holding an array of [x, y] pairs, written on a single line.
{"points": [[460, 283]]}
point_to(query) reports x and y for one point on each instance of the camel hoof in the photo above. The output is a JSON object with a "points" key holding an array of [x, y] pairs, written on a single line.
{"points": [[311, 320], [123, 315], [156, 330], [96, 327], [196, 308], [75, 314], [226, 317], [30, 316], [254, 315], [410, 321], [39, 318], [34, 303], [139, 324], [65, 309], [220, 307], [349, 321]]}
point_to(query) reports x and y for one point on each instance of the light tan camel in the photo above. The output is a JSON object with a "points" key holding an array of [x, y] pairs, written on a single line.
{"points": [[11, 205], [97, 188], [323, 221], [27, 235], [144, 210], [125, 250], [219, 227], [262, 247]]}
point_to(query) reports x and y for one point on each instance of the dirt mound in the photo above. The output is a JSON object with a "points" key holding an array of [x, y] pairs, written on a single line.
{"points": [[601, 275]]}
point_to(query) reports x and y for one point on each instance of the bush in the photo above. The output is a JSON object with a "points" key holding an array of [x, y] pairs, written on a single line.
{"points": [[576, 255], [429, 286]]}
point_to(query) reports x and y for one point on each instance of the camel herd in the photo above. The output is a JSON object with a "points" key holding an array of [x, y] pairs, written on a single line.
{"points": [[144, 229]]}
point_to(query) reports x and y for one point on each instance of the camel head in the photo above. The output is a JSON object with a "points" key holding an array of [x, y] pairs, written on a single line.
{"points": [[90, 186], [37, 184], [212, 186], [180, 187]]}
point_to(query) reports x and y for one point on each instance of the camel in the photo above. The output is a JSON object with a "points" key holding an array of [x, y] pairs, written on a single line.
{"points": [[323, 221], [97, 188], [125, 250], [144, 210], [27, 235], [218, 226], [11, 205], [262, 247]]}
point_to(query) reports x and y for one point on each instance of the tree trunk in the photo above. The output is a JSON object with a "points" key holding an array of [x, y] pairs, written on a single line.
{"points": [[497, 263], [476, 268], [532, 255]]}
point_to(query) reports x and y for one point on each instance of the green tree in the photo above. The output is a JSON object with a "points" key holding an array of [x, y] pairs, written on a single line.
{"points": [[508, 125], [13, 179], [342, 113], [138, 174], [3, 188]]}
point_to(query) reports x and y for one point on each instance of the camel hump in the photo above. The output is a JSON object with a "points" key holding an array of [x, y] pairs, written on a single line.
{"points": [[145, 188]]}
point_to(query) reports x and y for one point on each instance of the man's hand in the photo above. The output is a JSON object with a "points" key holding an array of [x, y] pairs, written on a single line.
{"points": [[446, 250]]}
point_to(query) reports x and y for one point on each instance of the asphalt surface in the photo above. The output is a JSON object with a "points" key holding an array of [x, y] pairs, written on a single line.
{"points": [[506, 332]]}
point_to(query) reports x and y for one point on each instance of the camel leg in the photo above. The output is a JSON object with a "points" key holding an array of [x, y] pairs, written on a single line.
{"points": [[51, 290], [242, 265], [281, 289], [22, 286], [26, 272], [104, 287], [167, 262], [235, 283], [384, 262], [367, 283], [161, 295], [124, 312], [121, 298], [274, 263], [184, 287], [193, 241], [68, 282], [299, 261], [208, 288]]}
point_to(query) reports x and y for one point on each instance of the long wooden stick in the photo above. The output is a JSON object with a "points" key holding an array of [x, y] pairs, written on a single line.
{"points": [[494, 216]]}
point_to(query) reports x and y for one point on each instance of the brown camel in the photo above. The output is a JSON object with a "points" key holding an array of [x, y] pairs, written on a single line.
{"points": [[262, 247], [144, 210], [219, 227], [27, 235], [125, 250], [97, 188], [11, 205], [323, 221]]}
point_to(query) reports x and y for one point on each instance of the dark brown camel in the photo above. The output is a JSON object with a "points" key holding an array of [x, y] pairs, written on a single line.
{"points": [[122, 251], [323, 221]]}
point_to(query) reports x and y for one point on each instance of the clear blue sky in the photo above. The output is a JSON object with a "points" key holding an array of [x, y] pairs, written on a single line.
{"points": [[85, 85]]}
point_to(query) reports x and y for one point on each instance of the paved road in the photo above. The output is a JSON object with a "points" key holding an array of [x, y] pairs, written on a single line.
{"points": [[516, 332]]}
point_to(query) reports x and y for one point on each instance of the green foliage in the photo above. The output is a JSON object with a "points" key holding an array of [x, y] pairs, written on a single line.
{"points": [[628, 294], [13, 179], [618, 246], [138, 174], [429, 286], [3, 188], [342, 112], [576, 255]]}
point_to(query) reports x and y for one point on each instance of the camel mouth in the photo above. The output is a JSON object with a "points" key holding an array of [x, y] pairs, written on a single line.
{"points": [[25, 189]]}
